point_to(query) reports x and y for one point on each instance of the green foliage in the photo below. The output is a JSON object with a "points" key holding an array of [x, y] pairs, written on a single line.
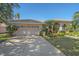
{"points": [[73, 34], [76, 15], [55, 27], [51, 28], [69, 28], [64, 27], [61, 33], [41, 33], [4, 37], [47, 29], [50, 34], [68, 46], [11, 29], [1, 39], [49, 22], [74, 24], [6, 14], [75, 21], [17, 16], [6, 11]]}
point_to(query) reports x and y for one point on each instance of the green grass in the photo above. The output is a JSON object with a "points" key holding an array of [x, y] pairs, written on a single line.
{"points": [[68, 46], [4, 36], [73, 34]]}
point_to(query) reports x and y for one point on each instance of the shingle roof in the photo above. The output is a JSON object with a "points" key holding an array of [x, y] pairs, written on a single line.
{"points": [[62, 21], [27, 21]]}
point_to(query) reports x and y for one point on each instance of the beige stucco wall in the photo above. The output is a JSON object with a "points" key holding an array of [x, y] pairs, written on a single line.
{"points": [[2, 28]]}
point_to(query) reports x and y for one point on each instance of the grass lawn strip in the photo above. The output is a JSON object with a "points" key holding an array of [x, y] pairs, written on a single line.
{"points": [[68, 46]]}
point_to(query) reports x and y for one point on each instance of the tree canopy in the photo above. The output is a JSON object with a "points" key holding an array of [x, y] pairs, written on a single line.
{"points": [[6, 11], [75, 20]]}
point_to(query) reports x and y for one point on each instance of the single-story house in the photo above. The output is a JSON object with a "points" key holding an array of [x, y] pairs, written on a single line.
{"points": [[30, 27], [27, 27], [62, 23]]}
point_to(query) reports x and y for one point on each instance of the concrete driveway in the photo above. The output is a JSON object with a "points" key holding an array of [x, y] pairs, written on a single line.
{"points": [[28, 46]]}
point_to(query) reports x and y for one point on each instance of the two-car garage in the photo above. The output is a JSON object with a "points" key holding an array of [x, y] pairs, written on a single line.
{"points": [[28, 27], [27, 31]]}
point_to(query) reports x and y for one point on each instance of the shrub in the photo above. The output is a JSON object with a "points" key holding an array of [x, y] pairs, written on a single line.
{"points": [[61, 33], [11, 29], [41, 33]]}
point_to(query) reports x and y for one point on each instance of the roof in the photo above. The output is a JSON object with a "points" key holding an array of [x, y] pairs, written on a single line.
{"points": [[31, 21], [62, 20], [26, 21]]}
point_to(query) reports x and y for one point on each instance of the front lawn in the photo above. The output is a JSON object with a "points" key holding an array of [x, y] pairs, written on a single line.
{"points": [[68, 46], [4, 37], [75, 34]]}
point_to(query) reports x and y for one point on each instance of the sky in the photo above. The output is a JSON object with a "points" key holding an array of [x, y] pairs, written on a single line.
{"points": [[47, 11]]}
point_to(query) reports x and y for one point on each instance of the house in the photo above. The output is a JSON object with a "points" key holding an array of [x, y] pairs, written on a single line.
{"points": [[62, 23], [31, 27], [27, 27]]}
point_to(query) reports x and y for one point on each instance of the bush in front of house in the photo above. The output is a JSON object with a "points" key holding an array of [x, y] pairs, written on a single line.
{"points": [[41, 33], [75, 33], [61, 34], [11, 29]]}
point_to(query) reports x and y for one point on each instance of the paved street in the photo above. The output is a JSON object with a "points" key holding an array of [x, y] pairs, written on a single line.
{"points": [[28, 46]]}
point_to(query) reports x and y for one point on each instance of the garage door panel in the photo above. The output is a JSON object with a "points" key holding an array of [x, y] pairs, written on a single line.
{"points": [[27, 31]]}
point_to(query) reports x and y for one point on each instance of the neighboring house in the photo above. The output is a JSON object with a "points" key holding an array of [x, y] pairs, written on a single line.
{"points": [[27, 27], [62, 24], [2, 27]]}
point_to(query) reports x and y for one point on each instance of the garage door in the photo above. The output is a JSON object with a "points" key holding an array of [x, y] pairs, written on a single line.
{"points": [[27, 31]]}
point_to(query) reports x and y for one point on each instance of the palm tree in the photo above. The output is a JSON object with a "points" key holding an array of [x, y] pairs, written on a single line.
{"points": [[6, 11], [17, 16], [75, 20], [76, 15]]}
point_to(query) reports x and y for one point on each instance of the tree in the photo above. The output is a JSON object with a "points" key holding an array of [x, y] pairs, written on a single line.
{"points": [[75, 20], [74, 24], [17, 16], [49, 27], [56, 27], [7, 14], [64, 27], [69, 28], [6, 11]]}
